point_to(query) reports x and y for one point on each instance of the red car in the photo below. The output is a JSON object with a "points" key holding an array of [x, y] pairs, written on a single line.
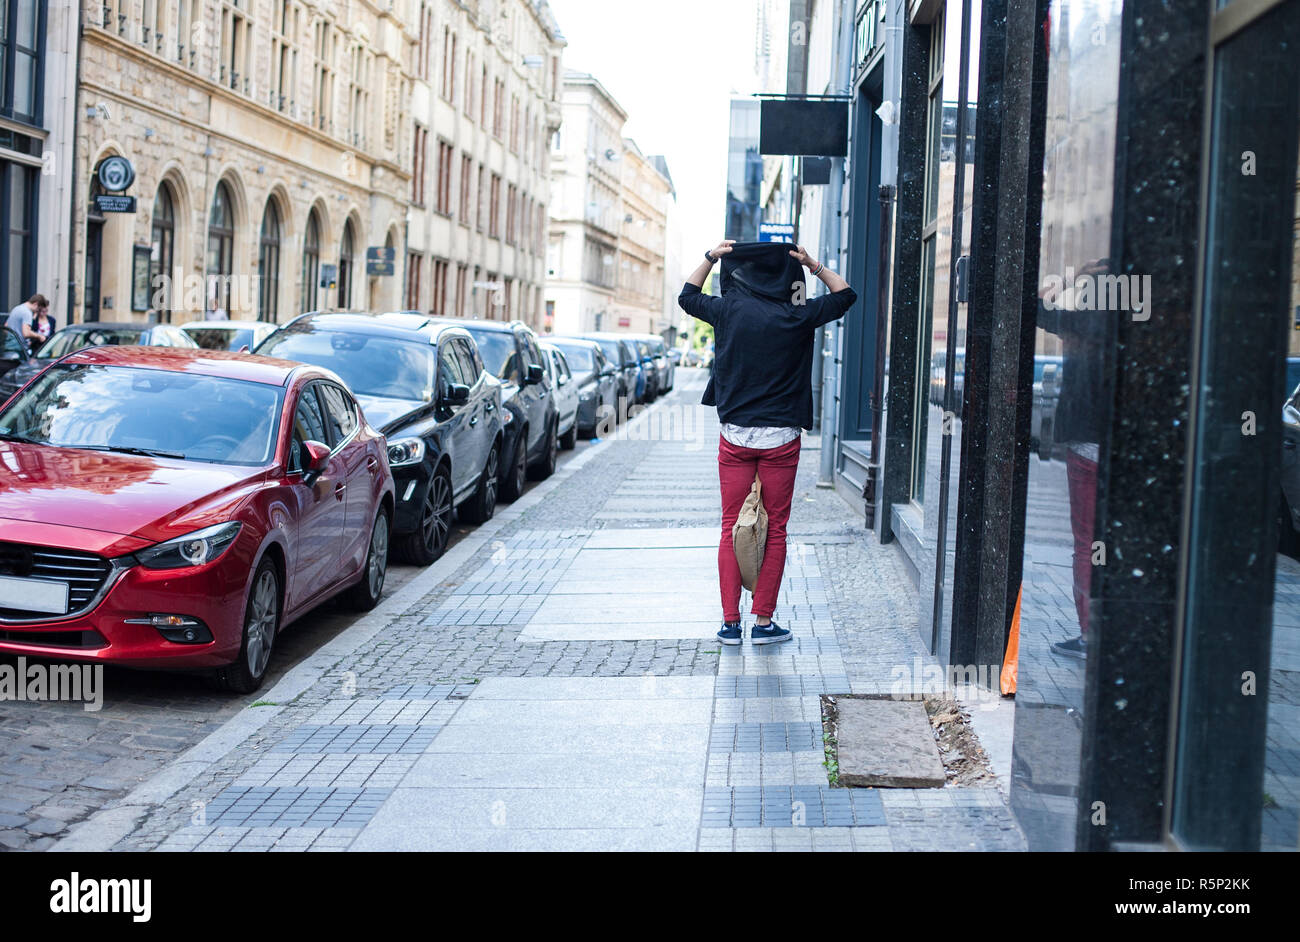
{"points": [[175, 508]]}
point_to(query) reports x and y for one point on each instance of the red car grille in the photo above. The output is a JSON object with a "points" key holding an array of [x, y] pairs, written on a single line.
{"points": [[84, 574]]}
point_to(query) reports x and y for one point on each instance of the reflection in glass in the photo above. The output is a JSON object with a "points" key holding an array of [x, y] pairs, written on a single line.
{"points": [[1069, 369]]}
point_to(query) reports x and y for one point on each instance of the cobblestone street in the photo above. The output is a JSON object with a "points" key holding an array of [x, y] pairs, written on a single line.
{"points": [[555, 683]]}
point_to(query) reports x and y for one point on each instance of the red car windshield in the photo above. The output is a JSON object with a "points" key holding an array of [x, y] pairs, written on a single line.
{"points": [[146, 411]]}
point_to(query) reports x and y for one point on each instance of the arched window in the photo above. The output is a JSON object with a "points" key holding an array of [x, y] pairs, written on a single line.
{"points": [[268, 265], [347, 251], [310, 263], [221, 252], [161, 252]]}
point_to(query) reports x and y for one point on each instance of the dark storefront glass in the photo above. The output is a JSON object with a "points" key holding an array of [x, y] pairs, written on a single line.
{"points": [[937, 465], [1070, 354], [1237, 765], [18, 199], [22, 55]]}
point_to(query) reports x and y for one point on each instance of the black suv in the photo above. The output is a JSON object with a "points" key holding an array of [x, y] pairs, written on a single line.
{"points": [[423, 384], [532, 422]]}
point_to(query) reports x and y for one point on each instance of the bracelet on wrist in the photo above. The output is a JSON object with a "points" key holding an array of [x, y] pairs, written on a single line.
{"points": [[818, 271], [708, 253]]}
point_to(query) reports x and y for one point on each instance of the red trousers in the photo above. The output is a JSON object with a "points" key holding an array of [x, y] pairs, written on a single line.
{"points": [[1081, 475], [737, 468]]}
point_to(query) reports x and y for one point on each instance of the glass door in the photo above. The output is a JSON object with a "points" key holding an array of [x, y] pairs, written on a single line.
{"points": [[1236, 757]]}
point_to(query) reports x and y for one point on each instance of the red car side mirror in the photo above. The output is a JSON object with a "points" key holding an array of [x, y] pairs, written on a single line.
{"points": [[318, 458]]}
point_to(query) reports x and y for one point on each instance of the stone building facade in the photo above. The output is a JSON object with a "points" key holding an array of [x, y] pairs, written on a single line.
{"points": [[271, 149], [642, 244], [485, 103]]}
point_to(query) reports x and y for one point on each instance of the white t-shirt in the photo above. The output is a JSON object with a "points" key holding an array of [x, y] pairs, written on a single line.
{"points": [[759, 437]]}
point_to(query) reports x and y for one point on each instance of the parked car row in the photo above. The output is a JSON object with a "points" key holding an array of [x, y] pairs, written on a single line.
{"points": [[172, 500]]}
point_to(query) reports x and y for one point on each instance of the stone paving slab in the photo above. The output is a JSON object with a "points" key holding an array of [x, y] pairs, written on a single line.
{"points": [[604, 631], [687, 582], [670, 537], [795, 806], [595, 688], [887, 743], [585, 714], [560, 807], [568, 770], [552, 840], [518, 739], [627, 606], [651, 563]]}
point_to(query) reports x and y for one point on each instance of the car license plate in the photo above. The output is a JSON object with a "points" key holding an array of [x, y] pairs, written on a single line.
{"points": [[34, 595]]}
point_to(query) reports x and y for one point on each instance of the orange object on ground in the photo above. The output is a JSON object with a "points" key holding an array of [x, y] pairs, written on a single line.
{"points": [[1011, 662]]}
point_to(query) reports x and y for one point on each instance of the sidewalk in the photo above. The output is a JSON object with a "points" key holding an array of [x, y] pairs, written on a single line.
{"points": [[555, 684]]}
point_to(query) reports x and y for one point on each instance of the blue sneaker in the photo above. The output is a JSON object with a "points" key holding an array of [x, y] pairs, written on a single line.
{"points": [[731, 633], [771, 634]]}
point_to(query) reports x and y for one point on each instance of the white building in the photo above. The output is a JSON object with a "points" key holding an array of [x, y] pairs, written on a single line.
{"points": [[586, 209]]}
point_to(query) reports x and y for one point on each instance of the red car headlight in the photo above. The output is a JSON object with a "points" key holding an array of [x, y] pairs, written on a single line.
{"points": [[193, 549]]}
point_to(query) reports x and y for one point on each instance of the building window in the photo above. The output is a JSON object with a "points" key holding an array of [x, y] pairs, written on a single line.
{"points": [[426, 39], [445, 153], [482, 200], [514, 124], [461, 272], [448, 64], [418, 162], [512, 196], [162, 245], [22, 59], [188, 13], [18, 200], [233, 68], [483, 99], [359, 97], [469, 84], [310, 263], [284, 58], [494, 212], [466, 181], [498, 107], [268, 265], [152, 25], [438, 301], [414, 269], [323, 77], [221, 252], [347, 258]]}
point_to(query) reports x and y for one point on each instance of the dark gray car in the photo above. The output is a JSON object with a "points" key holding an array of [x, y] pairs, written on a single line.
{"points": [[597, 380]]}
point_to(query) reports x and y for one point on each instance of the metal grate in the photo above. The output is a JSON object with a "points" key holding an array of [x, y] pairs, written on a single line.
{"points": [[84, 574]]}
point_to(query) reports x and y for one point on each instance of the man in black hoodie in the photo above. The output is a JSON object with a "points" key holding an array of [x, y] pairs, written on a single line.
{"points": [[764, 327]]}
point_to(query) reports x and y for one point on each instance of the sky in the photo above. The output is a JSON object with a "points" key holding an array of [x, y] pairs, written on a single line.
{"points": [[673, 65]]}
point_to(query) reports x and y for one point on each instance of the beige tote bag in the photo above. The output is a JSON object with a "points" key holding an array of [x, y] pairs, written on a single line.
{"points": [[749, 536]]}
